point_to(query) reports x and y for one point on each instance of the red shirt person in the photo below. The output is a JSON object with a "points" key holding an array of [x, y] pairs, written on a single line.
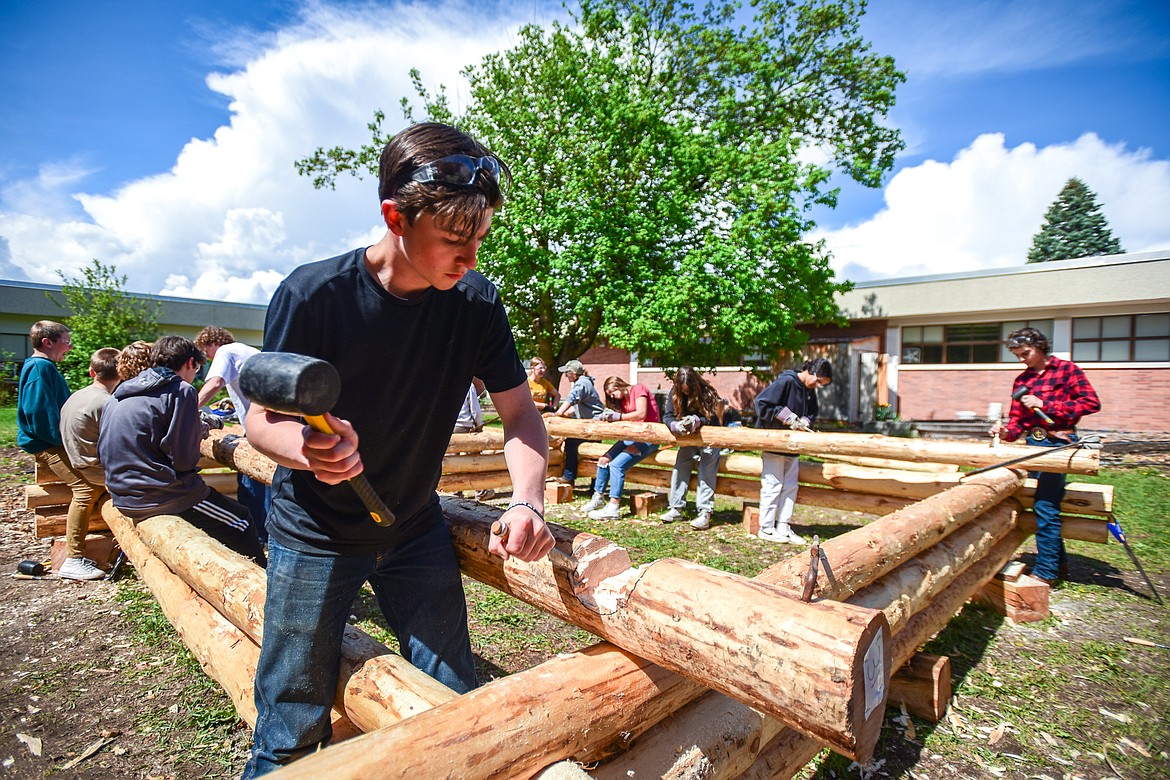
{"points": [[1060, 390]]}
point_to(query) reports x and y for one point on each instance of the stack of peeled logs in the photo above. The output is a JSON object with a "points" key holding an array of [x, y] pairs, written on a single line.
{"points": [[700, 672]]}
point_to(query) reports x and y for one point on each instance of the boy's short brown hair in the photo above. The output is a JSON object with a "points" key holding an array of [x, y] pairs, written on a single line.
{"points": [[214, 335], [457, 209], [104, 363], [173, 352], [46, 329]]}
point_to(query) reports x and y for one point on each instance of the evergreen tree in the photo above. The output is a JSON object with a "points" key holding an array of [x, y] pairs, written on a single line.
{"points": [[103, 315], [1073, 227]]}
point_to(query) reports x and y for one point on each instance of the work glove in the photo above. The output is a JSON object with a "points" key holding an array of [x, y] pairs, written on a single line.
{"points": [[693, 422], [609, 415], [211, 420], [785, 416], [678, 427], [800, 424]]}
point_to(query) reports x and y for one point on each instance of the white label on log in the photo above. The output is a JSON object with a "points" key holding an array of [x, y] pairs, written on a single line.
{"points": [[873, 666]]}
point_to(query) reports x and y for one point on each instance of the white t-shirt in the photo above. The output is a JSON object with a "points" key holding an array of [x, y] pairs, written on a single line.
{"points": [[226, 364], [471, 415]]}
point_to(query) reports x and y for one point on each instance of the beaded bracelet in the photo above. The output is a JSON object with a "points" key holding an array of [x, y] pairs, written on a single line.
{"points": [[515, 504]]}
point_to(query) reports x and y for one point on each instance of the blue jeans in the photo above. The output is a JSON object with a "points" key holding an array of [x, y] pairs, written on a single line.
{"points": [[569, 470], [680, 477], [620, 462], [257, 498], [420, 592], [1051, 557]]}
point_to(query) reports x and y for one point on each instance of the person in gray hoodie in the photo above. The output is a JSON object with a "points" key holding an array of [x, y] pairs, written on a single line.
{"points": [[149, 447]]}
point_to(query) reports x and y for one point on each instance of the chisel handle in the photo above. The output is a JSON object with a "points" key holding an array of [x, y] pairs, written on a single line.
{"points": [[374, 504], [1134, 640]]}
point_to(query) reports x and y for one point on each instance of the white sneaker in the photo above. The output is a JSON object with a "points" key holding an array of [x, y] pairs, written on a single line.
{"points": [[702, 522], [610, 511], [597, 502], [783, 534], [670, 515], [80, 569]]}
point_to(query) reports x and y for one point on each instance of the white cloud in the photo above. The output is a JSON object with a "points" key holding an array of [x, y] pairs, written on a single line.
{"points": [[232, 216], [982, 209]]}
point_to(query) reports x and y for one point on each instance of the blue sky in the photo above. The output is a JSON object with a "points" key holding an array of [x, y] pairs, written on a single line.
{"points": [[159, 136]]}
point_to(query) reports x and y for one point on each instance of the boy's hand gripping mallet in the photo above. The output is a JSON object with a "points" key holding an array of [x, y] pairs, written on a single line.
{"points": [[306, 387]]}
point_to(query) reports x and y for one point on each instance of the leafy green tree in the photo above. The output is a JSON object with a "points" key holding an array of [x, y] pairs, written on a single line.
{"points": [[1073, 227], [103, 315], [663, 173]]}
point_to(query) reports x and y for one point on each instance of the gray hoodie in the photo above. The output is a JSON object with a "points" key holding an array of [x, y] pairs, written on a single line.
{"points": [[149, 445]]}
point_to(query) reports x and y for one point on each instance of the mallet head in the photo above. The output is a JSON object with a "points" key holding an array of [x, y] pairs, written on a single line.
{"points": [[288, 383]]}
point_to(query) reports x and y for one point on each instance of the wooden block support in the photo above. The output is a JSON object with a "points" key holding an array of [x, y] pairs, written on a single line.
{"points": [[557, 493], [646, 504], [923, 685], [751, 519], [99, 548], [1023, 601]]}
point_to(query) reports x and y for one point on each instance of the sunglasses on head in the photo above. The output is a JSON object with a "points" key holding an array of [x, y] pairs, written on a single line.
{"points": [[1015, 342], [458, 169]]}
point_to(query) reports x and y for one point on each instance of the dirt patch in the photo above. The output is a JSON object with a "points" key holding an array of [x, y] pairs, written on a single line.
{"points": [[81, 698]]}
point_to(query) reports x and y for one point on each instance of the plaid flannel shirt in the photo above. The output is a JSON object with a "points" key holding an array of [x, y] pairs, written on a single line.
{"points": [[1065, 391]]}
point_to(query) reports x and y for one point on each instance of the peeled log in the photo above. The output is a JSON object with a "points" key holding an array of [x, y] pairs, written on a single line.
{"points": [[909, 589], [377, 687], [862, 555], [799, 662], [1079, 497], [1071, 461], [225, 653], [513, 726], [685, 745], [487, 439], [789, 751]]}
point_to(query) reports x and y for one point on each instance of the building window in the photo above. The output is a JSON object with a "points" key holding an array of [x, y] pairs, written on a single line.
{"points": [[980, 342], [1126, 338]]}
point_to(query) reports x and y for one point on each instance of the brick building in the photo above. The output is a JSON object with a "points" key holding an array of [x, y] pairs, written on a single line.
{"points": [[931, 346]]}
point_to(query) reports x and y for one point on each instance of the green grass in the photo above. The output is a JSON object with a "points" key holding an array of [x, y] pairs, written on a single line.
{"points": [[204, 726], [7, 426]]}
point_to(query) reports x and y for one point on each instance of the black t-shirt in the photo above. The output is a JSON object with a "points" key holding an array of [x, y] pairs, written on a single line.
{"points": [[405, 368]]}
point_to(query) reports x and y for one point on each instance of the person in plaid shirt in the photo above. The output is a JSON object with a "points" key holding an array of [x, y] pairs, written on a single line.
{"points": [[1060, 390]]}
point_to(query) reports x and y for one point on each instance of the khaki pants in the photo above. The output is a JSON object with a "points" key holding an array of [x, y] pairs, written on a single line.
{"points": [[85, 495]]}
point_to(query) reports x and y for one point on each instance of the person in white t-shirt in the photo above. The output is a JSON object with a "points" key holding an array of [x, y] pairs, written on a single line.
{"points": [[226, 357]]}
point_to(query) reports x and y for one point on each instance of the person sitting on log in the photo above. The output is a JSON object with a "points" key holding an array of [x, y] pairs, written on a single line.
{"points": [[628, 403], [149, 446], [789, 402], [81, 418], [134, 359], [582, 402], [694, 402], [1054, 395]]}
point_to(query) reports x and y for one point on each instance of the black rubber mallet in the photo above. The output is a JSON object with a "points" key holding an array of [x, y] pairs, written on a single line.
{"points": [[305, 387]]}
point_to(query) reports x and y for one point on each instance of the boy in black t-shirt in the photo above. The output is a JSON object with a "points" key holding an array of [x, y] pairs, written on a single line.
{"points": [[391, 318]]}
